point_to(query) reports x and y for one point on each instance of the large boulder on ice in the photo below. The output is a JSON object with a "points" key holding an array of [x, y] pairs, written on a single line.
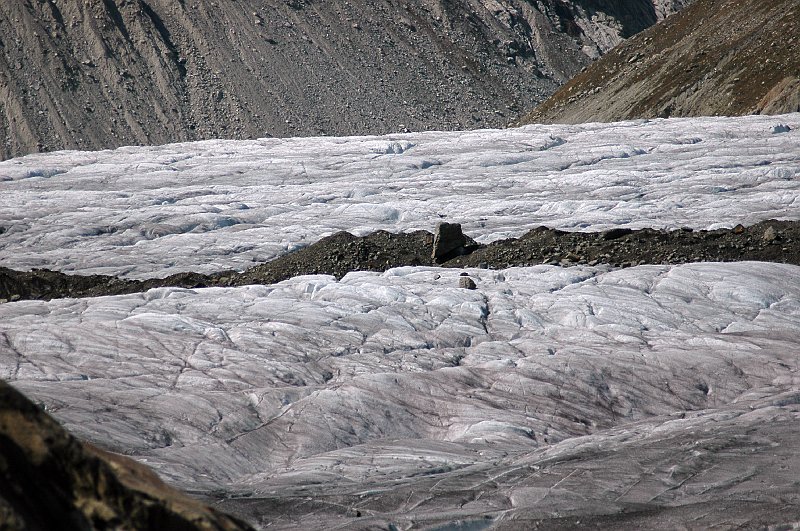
{"points": [[448, 241]]}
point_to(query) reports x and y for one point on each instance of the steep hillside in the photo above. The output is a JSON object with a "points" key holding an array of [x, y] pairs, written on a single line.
{"points": [[103, 74], [717, 57]]}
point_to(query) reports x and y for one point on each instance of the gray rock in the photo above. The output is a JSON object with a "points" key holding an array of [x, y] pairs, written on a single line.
{"points": [[448, 241], [466, 283], [770, 234]]}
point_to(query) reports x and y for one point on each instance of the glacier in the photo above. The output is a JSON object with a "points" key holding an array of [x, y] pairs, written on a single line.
{"points": [[649, 396], [144, 212]]}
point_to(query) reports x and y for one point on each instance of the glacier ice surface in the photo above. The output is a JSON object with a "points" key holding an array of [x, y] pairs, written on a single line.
{"points": [[546, 392]]}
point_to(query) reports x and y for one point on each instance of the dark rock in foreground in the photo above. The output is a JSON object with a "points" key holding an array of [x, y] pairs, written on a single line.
{"points": [[50, 480], [769, 241]]}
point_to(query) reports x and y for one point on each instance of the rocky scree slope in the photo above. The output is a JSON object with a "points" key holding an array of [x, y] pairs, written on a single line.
{"points": [[88, 75], [717, 57]]}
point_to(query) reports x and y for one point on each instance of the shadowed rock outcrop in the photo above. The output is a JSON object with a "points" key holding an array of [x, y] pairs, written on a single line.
{"points": [[449, 241], [50, 480]]}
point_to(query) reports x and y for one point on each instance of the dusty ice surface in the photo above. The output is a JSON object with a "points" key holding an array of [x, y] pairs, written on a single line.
{"points": [[208, 206], [401, 382], [581, 393]]}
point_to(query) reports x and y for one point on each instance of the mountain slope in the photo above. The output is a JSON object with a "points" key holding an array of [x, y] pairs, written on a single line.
{"points": [[103, 74], [717, 57]]}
